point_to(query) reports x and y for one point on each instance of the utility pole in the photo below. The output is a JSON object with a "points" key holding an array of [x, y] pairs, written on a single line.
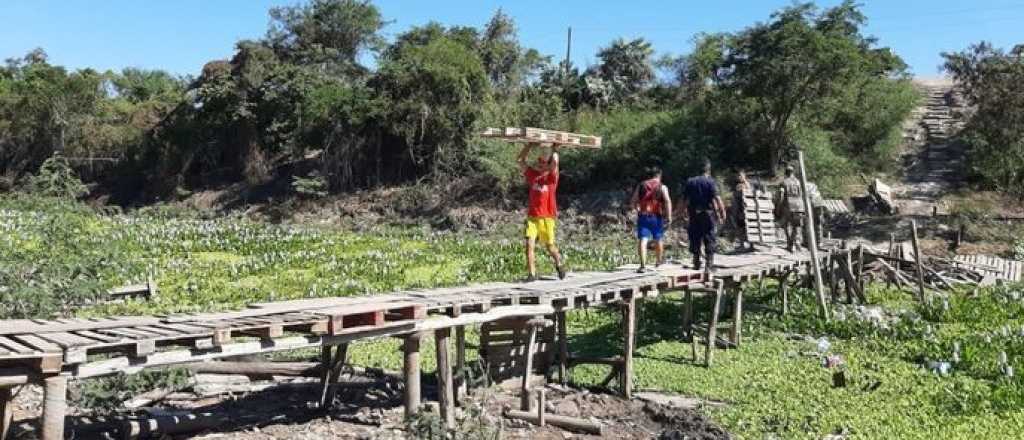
{"points": [[568, 51]]}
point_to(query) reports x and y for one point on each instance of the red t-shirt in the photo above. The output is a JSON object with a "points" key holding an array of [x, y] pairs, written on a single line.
{"points": [[542, 193]]}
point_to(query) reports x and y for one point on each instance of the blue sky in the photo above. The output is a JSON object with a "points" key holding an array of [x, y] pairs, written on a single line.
{"points": [[182, 35]]}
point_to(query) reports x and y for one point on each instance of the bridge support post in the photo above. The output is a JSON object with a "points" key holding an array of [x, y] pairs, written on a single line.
{"points": [[55, 394], [737, 312], [6, 411], [332, 371], [411, 371], [461, 383], [629, 333], [563, 347], [445, 392]]}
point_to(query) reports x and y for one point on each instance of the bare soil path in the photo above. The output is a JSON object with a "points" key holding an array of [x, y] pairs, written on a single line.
{"points": [[933, 164]]}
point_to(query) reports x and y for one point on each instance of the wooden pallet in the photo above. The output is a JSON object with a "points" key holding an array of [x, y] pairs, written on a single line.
{"points": [[759, 213], [540, 135], [835, 206], [503, 343], [998, 268]]}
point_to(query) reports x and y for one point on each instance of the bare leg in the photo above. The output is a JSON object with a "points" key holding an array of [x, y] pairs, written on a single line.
{"points": [[659, 252], [642, 249], [531, 259], [555, 255]]}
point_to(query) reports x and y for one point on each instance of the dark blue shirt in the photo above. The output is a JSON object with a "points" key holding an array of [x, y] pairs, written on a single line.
{"points": [[700, 192]]}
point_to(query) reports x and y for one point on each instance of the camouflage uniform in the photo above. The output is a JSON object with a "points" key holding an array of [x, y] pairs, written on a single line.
{"points": [[793, 212]]}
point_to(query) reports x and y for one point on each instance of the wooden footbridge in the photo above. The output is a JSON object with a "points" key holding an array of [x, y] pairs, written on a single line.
{"points": [[51, 352]]}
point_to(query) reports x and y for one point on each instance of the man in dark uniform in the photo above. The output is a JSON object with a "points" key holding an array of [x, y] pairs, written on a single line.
{"points": [[704, 210]]}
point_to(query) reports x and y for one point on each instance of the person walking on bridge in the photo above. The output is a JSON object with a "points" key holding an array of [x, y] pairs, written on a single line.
{"points": [[654, 214], [542, 210], [793, 212], [704, 210]]}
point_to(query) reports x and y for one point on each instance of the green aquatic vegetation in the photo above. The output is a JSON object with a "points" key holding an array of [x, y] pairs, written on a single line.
{"points": [[56, 259]]}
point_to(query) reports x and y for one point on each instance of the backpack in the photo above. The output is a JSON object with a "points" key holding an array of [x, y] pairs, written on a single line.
{"points": [[650, 196]]}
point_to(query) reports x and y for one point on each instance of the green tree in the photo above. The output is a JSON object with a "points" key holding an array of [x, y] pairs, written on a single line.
{"points": [[508, 65], [993, 83], [628, 66], [434, 93], [801, 57], [329, 34]]}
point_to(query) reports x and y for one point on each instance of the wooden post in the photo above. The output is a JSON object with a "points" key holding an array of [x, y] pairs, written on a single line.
{"points": [[563, 347], [6, 411], [411, 371], [813, 245], [445, 393], [540, 407], [55, 393], [332, 371], [860, 273], [737, 314], [629, 334], [713, 326], [461, 383], [917, 259], [524, 389], [687, 312], [784, 290]]}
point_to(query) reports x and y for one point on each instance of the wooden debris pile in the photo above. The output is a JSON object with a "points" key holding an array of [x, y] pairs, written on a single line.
{"points": [[899, 267]]}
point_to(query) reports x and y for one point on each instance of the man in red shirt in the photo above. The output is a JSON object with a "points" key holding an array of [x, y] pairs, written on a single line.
{"points": [[542, 180]]}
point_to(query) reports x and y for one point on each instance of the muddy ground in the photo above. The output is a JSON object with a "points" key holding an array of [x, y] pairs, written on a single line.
{"points": [[372, 409]]}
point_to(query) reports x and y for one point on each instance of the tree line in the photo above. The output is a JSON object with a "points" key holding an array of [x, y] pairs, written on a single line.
{"points": [[301, 108], [992, 81]]}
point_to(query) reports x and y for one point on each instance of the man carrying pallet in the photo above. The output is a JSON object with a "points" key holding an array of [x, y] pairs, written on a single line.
{"points": [[704, 210], [654, 214], [542, 180]]}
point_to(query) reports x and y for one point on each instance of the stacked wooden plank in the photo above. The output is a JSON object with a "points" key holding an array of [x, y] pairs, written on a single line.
{"points": [[540, 135], [759, 213]]}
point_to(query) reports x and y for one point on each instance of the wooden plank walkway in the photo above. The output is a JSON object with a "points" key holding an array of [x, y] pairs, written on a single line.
{"points": [[53, 351]]}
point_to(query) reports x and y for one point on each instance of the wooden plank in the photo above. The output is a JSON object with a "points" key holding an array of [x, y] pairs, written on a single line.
{"points": [[16, 346], [28, 326]]}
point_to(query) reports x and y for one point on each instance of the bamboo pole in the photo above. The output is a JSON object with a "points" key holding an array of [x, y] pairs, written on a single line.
{"points": [[813, 245]]}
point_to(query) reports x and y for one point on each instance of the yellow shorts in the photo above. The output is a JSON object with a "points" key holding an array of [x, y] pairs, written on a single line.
{"points": [[542, 229]]}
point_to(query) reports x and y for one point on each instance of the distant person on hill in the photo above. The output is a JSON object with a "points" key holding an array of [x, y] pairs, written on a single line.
{"points": [[654, 214], [542, 180], [704, 210]]}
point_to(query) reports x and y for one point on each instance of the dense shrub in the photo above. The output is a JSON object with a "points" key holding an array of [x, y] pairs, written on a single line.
{"points": [[993, 83]]}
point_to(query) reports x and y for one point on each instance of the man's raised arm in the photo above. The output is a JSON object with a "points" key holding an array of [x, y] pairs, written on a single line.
{"points": [[524, 153]]}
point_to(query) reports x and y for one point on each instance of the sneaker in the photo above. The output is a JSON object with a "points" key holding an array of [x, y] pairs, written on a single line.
{"points": [[531, 278], [561, 271], [696, 264], [641, 270]]}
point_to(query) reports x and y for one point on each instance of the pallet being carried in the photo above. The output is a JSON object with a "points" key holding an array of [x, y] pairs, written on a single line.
{"points": [[540, 135], [759, 213]]}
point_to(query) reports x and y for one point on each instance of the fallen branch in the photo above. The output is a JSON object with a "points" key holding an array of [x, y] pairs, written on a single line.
{"points": [[565, 422]]}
